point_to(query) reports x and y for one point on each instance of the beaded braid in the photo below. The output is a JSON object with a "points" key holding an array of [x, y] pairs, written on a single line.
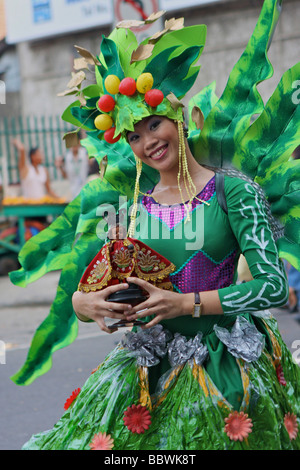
{"points": [[183, 166], [139, 166]]}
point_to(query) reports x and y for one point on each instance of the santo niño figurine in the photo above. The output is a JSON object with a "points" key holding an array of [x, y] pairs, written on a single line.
{"points": [[120, 258]]}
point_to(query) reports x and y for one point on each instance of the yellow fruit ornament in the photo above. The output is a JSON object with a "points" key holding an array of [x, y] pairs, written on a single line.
{"points": [[103, 122], [112, 83], [144, 82]]}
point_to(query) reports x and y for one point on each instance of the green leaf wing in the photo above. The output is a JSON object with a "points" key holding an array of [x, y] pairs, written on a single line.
{"points": [[232, 114]]}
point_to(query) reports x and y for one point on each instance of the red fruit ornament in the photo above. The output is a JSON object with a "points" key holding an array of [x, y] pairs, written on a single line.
{"points": [[127, 86], [154, 97], [106, 103], [109, 136]]}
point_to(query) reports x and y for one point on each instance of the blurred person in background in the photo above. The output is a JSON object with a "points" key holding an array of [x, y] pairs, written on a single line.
{"points": [[74, 167], [35, 181]]}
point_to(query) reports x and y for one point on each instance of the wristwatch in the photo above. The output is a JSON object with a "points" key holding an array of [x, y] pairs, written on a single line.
{"points": [[197, 306]]}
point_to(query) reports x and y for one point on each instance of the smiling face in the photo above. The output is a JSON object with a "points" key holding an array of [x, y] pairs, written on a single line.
{"points": [[155, 141]]}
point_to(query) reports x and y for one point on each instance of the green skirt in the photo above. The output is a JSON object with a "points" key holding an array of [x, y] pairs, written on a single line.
{"points": [[194, 394]]}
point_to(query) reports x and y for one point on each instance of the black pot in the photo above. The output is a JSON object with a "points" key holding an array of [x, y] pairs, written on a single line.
{"points": [[134, 295]]}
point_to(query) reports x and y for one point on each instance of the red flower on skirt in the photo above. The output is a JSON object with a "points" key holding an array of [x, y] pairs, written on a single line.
{"points": [[137, 418], [291, 425], [280, 375], [70, 400], [102, 441], [238, 426]]}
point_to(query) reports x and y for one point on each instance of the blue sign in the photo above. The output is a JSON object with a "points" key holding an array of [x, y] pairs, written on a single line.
{"points": [[41, 11]]}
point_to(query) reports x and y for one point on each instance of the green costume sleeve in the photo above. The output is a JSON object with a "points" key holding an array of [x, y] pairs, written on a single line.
{"points": [[249, 224]]}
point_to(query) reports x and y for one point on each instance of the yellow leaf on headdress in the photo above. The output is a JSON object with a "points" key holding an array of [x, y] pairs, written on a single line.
{"points": [[71, 139], [77, 79], [103, 166], [198, 117], [128, 24], [175, 103], [174, 24], [82, 99], [80, 63], [170, 25], [154, 16], [88, 56], [142, 52], [137, 23], [69, 91]]}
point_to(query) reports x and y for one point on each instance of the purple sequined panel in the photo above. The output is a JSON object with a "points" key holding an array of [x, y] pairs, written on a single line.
{"points": [[173, 215], [200, 273]]}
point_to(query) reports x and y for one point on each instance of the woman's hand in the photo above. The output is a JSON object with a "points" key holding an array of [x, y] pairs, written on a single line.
{"points": [[18, 144], [162, 303], [94, 306]]}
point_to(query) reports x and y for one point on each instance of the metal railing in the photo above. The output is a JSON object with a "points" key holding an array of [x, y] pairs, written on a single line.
{"points": [[45, 132]]}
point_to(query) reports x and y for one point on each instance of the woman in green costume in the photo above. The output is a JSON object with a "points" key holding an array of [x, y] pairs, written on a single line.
{"points": [[208, 370]]}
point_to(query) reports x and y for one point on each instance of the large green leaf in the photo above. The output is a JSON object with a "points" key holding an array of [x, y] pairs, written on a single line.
{"points": [[205, 100], [58, 247], [111, 58], [68, 116], [49, 249], [60, 327], [126, 43], [273, 136], [85, 116], [170, 78], [154, 66], [232, 114], [179, 40]]}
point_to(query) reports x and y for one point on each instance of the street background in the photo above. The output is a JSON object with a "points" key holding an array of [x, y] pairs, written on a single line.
{"points": [[37, 407]]}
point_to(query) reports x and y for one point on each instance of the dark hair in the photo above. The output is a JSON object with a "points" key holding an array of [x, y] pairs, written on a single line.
{"points": [[32, 152]]}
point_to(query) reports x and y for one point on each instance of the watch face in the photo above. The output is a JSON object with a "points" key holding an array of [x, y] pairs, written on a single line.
{"points": [[197, 310]]}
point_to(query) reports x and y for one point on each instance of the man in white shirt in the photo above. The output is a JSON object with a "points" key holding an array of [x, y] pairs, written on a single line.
{"points": [[75, 168]]}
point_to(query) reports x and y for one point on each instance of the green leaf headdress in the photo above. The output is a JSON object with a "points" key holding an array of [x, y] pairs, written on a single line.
{"points": [[131, 82], [132, 85]]}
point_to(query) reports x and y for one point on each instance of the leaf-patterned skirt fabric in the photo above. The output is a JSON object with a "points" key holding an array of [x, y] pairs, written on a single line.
{"points": [[188, 411]]}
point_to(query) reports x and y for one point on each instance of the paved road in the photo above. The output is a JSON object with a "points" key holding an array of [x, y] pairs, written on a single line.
{"points": [[28, 410]]}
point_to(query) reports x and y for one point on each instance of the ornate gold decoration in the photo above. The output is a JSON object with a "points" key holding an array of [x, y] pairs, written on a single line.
{"points": [[147, 262], [122, 258], [97, 272]]}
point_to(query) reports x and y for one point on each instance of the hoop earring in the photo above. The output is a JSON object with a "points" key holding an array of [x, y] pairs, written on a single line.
{"points": [[139, 167]]}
